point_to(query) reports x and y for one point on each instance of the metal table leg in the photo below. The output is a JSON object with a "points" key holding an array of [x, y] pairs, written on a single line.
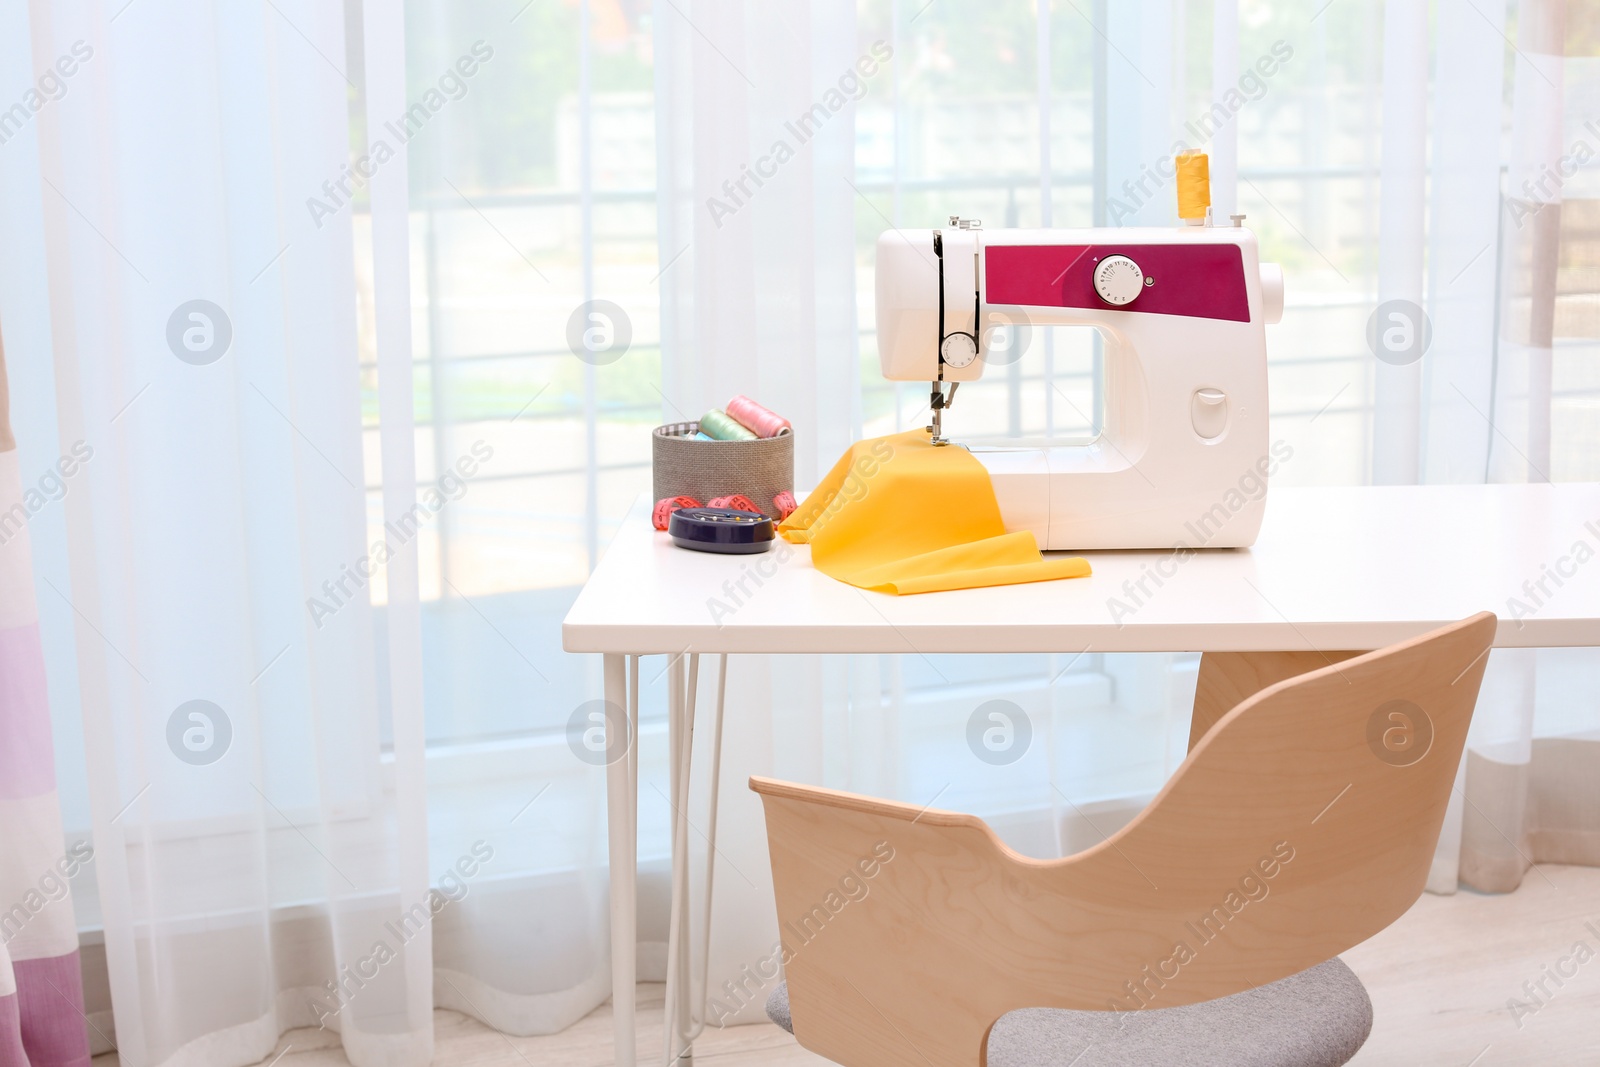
{"points": [[621, 827], [680, 754], [685, 1015]]}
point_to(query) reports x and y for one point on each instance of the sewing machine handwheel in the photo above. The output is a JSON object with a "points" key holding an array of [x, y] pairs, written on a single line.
{"points": [[959, 350]]}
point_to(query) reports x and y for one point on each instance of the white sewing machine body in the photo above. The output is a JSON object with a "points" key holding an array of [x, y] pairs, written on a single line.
{"points": [[1182, 457]]}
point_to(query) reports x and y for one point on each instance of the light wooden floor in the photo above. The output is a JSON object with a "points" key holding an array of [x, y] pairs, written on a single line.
{"points": [[1440, 979]]}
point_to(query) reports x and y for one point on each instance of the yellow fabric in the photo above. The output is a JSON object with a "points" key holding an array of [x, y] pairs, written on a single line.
{"points": [[899, 515]]}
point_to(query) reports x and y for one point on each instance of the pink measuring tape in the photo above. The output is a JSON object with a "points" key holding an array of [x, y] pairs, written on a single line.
{"points": [[664, 508], [736, 501]]}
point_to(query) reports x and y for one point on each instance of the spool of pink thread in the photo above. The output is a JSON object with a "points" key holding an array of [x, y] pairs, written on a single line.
{"points": [[757, 419]]}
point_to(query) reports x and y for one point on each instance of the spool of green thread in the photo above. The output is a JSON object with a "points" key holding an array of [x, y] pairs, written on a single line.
{"points": [[721, 426]]}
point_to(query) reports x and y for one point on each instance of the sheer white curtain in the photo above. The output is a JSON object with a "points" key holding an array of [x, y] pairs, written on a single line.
{"points": [[757, 201], [258, 856], [1510, 294]]}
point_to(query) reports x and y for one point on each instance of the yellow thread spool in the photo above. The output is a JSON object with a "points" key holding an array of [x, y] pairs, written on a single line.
{"points": [[1194, 185]]}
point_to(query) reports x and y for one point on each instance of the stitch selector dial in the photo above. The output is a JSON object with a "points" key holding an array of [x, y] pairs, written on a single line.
{"points": [[1118, 280]]}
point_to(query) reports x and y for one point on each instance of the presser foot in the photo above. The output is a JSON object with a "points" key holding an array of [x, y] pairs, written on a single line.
{"points": [[938, 400]]}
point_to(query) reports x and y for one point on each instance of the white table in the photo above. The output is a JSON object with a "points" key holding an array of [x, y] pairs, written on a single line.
{"points": [[1341, 568]]}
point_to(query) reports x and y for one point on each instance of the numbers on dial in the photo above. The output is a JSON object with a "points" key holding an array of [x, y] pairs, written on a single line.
{"points": [[959, 350], [1118, 280]]}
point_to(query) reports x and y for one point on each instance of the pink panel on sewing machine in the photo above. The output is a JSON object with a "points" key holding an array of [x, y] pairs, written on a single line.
{"points": [[1202, 281]]}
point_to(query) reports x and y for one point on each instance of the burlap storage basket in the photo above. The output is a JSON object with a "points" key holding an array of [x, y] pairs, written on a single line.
{"points": [[684, 466]]}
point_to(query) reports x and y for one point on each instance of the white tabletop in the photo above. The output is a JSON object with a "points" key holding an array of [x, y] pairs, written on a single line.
{"points": [[1334, 568]]}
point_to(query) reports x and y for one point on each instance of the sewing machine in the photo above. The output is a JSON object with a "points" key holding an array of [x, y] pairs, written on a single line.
{"points": [[1182, 458]]}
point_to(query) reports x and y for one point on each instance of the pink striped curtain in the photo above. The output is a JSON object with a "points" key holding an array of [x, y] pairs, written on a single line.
{"points": [[41, 996]]}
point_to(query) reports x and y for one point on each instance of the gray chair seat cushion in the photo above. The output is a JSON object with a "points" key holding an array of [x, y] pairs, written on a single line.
{"points": [[1317, 1018]]}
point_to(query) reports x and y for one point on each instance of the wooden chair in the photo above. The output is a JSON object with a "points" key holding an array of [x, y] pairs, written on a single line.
{"points": [[1302, 822]]}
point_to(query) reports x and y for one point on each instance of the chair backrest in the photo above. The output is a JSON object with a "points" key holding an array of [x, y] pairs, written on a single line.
{"points": [[1301, 824]]}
